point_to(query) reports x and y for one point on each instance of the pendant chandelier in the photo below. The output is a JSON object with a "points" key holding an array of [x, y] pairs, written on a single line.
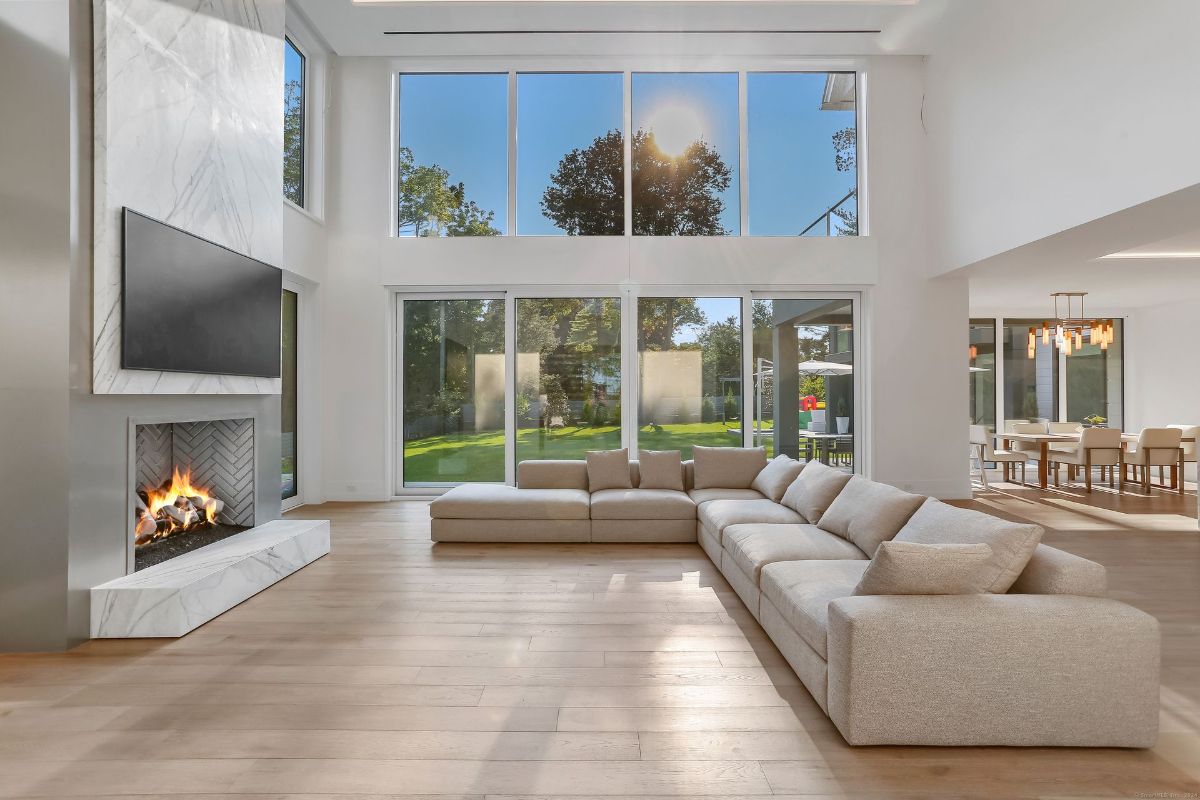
{"points": [[1067, 331]]}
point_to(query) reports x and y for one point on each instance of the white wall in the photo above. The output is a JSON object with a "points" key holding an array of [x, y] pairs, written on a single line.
{"points": [[912, 323], [1043, 116], [1162, 372]]}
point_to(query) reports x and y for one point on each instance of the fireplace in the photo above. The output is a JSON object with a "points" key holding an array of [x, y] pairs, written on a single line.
{"points": [[193, 484]]}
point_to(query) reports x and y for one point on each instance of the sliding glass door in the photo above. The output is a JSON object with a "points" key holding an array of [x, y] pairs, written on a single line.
{"points": [[485, 382], [689, 373], [802, 397], [453, 373], [568, 388]]}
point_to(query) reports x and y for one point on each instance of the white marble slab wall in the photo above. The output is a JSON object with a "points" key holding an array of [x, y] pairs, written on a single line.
{"points": [[188, 130]]}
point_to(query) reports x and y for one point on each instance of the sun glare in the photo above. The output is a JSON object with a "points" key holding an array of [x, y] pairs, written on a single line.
{"points": [[675, 127]]}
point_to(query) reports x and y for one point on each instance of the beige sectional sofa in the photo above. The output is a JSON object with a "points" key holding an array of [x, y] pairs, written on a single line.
{"points": [[1033, 654]]}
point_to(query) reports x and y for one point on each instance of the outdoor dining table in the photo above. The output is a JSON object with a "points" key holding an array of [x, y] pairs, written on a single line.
{"points": [[1044, 440], [820, 444]]}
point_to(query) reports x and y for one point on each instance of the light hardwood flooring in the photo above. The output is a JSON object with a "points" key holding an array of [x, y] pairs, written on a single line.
{"points": [[397, 668]]}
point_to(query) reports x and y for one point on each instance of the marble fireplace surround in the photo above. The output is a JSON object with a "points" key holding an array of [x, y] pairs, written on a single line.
{"points": [[188, 130]]}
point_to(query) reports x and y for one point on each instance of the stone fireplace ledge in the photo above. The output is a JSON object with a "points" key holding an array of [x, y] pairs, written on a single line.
{"points": [[178, 596]]}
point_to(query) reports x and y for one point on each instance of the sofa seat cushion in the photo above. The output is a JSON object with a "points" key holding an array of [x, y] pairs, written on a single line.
{"points": [[869, 513], [708, 495], [642, 504], [802, 591], [718, 515], [493, 501], [754, 545]]}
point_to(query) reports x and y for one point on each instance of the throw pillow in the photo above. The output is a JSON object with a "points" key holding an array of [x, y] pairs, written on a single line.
{"points": [[867, 513], [777, 476], [1012, 543], [910, 568], [812, 492], [728, 467], [660, 469], [608, 469]]}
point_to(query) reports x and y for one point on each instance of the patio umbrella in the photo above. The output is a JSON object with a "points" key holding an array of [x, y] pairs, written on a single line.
{"points": [[824, 368]]}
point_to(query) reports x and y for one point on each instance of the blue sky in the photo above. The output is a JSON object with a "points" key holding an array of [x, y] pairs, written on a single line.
{"points": [[557, 113], [460, 123], [793, 177], [717, 309], [714, 98], [293, 65]]}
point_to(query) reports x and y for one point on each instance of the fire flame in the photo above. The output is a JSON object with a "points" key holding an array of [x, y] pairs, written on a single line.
{"points": [[181, 486]]}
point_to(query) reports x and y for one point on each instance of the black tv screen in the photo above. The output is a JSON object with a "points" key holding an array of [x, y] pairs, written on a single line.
{"points": [[193, 306]]}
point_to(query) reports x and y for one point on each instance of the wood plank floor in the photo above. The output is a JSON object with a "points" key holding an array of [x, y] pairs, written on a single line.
{"points": [[397, 668]]}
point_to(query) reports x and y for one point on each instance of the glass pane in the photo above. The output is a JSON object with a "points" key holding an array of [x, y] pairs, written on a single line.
{"points": [[570, 155], [803, 153], [568, 376], [1095, 381], [690, 362], [453, 362], [453, 160], [1030, 384], [288, 394], [685, 154], [803, 394], [981, 352], [293, 123]]}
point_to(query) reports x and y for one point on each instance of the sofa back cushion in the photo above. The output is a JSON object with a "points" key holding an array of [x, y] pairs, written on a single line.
{"points": [[728, 467], [608, 469], [867, 513], [552, 474], [812, 492], [1012, 543], [911, 568], [660, 469], [777, 476]]}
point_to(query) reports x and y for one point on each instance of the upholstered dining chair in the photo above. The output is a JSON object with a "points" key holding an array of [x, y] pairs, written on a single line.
{"points": [[1097, 447], [1156, 447], [1031, 450], [983, 452], [1189, 448], [1063, 427]]}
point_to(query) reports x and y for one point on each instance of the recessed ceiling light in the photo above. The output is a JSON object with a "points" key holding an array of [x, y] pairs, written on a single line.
{"points": [[1147, 254]]}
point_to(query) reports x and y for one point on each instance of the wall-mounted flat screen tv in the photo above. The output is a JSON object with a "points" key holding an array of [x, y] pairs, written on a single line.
{"points": [[193, 306]]}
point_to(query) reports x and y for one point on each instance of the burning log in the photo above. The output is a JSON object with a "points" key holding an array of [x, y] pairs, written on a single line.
{"points": [[145, 529], [174, 507], [183, 516]]}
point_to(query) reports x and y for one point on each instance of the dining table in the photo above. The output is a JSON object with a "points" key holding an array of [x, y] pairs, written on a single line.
{"points": [[1044, 440]]}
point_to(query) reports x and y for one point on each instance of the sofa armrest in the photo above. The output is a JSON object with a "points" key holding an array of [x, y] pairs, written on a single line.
{"points": [[1053, 571], [993, 669]]}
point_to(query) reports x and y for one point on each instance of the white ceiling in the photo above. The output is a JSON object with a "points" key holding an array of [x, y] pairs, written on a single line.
{"points": [[832, 27], [1072, 260]]}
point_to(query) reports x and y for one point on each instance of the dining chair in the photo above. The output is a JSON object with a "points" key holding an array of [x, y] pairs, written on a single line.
{"points": [[1156, 447], [1032, 450], [1097, 447], [1063, 427], [983, 452], [1189, 448]]}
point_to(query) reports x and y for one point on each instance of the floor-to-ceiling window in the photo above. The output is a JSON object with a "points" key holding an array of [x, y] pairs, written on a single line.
{"points": [[289, 396], [1030, 383], [981, 356], [568, 381], [803, 378], [689, 372], [1094, 381], [453, 373]]}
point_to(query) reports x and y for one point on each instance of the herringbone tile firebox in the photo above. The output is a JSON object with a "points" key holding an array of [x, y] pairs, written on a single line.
{"points": [[219, 453]]}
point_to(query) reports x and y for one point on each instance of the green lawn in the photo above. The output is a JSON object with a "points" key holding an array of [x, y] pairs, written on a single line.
{"points": [[480, 456]]}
